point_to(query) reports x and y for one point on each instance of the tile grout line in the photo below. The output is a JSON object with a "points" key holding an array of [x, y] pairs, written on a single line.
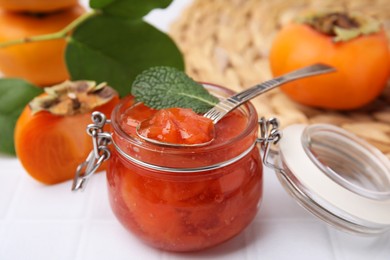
{"points": [[332, 242], [84, 225], [13, 200], [10, 209]]}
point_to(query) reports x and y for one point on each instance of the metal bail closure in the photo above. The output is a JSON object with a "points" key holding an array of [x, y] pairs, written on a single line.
{"points": [[270, 134], [98, 155]]}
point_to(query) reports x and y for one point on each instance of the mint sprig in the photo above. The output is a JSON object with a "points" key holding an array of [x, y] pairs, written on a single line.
{"points": [[165, 87]]}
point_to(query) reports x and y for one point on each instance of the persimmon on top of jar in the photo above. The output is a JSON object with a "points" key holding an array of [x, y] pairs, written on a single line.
{"points": [[185, 199], [355, 45], [36, 6]]}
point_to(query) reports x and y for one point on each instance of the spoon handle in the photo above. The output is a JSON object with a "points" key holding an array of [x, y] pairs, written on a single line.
{"points": [[256, 90], [225, 106]]}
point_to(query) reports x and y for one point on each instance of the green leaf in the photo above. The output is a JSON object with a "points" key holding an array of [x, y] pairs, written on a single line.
{"points": [[126, 8], [165, 87], [112, 50], [98, 4], [14, 96]]}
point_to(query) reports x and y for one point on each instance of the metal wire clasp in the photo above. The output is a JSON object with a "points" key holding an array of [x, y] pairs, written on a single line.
{"points": [[98, 155], [270, 134]]}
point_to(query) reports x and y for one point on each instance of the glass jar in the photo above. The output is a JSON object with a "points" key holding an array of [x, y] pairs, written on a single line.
{"points": [[185, 199]]}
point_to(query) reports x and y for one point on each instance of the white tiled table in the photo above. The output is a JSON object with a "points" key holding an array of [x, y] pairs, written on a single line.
{"points": [[40, 222], [50, 222]]}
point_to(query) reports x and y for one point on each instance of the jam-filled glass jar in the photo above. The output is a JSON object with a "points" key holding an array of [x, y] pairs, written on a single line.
{"points": [[185, 199], [191, 198]]}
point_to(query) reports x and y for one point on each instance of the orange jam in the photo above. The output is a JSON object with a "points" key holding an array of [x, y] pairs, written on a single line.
{"points": [[185, 199], [178, 126]]}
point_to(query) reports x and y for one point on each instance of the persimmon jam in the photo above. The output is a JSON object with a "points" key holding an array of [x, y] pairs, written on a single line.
{"points": [[185, 199], [178, 126]]}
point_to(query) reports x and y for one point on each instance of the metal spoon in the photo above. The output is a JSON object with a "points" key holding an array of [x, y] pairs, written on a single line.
{"points": [[226, 105]]}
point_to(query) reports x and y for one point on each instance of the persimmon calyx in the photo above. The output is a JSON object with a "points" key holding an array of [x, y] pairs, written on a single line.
{"points": [[72, 97], [341, 26]]}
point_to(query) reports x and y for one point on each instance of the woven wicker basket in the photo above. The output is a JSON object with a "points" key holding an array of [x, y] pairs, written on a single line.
{"points": [[227, 42]]}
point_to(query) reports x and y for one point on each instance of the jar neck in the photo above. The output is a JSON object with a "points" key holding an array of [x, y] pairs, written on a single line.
{"points": [[238, 132], [183, 170]]}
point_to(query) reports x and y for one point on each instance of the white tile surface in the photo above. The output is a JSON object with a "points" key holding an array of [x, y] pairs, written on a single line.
{"points": [[99, 205], [10, 173], [44, 223], [349, 247], [37, 201], [40, 222], [39, 240], [279, 205], [108, 240], [279, 239], [232, 249]]}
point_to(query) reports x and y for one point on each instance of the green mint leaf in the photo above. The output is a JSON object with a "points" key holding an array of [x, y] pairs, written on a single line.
{"points": [[165, 87], [112, 50], [133, 9], [14, 96]]}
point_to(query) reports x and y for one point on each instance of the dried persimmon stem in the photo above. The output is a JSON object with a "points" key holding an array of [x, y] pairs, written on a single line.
{"points": [[52, 36]]}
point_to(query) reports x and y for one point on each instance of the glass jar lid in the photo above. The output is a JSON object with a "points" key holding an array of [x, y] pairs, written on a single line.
{"points": [[337, 176]]}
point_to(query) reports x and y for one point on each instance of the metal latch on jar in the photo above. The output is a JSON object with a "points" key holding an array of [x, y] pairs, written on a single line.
{"points": [[269, 134], [98, 155]]}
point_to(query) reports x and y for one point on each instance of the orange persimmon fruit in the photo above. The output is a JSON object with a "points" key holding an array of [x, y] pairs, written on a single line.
{"points": [[359, 52], [50, 134], [43, 62], [36, 5]]}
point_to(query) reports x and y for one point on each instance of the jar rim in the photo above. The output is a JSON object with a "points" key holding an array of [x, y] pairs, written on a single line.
{"points": [[317, 142], [247, 108]]}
